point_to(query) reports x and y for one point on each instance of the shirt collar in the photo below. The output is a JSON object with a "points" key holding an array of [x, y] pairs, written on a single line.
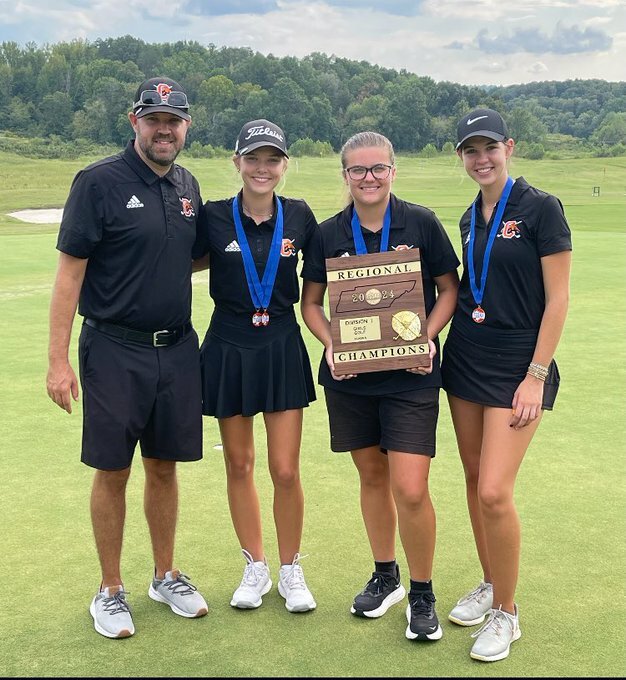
{"points": [[518, 189], [270, 223], [397, 215]]}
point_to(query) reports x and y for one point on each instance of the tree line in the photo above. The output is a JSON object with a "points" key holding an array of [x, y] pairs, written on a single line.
{"points": [[79, 92]]}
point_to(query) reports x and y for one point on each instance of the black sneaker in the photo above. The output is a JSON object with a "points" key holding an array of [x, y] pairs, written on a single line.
{"points": [[422, 617], [381, 592]]}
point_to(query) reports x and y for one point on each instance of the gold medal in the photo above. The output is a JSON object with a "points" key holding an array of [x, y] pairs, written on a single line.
{"points": [[407, 325]]}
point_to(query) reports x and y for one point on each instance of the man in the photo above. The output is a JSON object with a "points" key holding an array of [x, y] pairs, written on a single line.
{"points": [[126, 244]]}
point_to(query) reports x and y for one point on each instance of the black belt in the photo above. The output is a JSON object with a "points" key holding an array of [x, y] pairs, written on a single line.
{"points": [[163, 338]]}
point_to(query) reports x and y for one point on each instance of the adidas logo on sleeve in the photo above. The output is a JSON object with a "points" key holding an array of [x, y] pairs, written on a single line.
{"points": [[134, 202]]}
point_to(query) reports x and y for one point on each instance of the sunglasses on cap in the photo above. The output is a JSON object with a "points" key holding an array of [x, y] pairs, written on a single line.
{"points": [[177, 100]]}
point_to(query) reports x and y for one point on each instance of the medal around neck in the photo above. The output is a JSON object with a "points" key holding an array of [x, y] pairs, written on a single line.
{"points": [[260, 289], [377, 312], [478, 292]]}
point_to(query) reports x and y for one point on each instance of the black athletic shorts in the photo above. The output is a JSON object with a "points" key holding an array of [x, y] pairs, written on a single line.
{"points": [[139, 393], [405, 421]]}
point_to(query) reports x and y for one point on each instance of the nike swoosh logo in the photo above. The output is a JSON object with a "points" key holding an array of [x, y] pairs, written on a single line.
{"points": [[473, 120]]}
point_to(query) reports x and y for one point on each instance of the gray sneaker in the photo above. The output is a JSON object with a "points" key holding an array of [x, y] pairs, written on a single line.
{"points": [[472, 608], [111, 614], [177, 591], [493, 640]]}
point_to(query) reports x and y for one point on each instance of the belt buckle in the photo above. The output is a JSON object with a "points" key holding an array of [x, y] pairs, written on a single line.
{"points": [[156, 339]]}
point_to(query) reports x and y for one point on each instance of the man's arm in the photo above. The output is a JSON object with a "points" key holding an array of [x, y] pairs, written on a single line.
{"points": [[61, 382]]}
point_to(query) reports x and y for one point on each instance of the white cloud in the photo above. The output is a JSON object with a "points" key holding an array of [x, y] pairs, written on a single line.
{"points": [[415, 36], [537, 68]]}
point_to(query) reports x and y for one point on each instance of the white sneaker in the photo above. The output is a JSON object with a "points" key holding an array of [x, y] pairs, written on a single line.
{"points": [[254, 584], [472, 608], [292, 586], [493, 640]]}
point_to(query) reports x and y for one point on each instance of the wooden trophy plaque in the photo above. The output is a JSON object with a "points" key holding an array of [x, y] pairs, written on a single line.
{"points": [[377, 315]]}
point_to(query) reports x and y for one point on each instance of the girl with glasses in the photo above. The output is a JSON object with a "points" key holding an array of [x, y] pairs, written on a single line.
{"points": [[498, 367], [387, 419], [254, 359]]}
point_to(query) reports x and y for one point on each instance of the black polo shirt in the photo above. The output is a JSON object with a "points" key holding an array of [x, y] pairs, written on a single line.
{"points": [[138, 231], [533, 226], [412, 226], [227, 278]]}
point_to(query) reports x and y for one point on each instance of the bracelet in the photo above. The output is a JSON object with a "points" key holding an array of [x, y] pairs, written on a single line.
{"points": [[537, 371]]}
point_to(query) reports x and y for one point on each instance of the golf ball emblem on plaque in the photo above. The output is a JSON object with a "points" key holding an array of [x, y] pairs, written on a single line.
{"points": [[377, 313]]}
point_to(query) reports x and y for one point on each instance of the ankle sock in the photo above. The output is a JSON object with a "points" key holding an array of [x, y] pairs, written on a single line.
{"points": [[418, 587], [386, 567]]}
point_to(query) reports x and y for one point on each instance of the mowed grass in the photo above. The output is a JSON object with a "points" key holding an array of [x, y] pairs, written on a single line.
{"points": [[570, 493]]}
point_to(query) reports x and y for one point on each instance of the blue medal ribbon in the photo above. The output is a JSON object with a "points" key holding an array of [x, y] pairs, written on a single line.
{"points": [[478, 292], [260, 290], [357, 234]]}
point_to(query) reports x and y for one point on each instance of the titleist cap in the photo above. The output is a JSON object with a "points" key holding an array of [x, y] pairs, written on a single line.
{"points": [[258, 133]]}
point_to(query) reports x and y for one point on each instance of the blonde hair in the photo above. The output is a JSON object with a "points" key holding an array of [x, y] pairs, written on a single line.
{"points": [[365, 140]]}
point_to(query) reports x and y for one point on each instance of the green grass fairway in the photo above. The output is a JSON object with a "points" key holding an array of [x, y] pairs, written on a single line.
{"points": [[570, 494]]}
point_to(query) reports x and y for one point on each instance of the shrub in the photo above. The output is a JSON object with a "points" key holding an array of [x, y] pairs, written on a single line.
{"points": [[53, 147], [429, 151], [535, 152], [197, 150], [307, 147]]}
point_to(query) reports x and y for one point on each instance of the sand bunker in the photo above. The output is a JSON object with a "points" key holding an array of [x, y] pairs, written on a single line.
{"points": [[43, 216]]}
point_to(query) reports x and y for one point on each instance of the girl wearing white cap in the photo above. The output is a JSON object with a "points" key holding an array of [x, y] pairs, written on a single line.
{"points": [[253, 357], [498, 367]]}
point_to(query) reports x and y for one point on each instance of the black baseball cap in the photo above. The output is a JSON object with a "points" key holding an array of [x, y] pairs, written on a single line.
{"points": [[161, 95], [257, 133], [481, 123]]}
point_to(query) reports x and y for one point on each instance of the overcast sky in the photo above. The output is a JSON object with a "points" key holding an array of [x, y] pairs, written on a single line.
{"points": [[464, 41]]}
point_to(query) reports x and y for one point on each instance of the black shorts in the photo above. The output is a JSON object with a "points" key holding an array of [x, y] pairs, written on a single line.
{"points": [[405, 421], [138, 393]]}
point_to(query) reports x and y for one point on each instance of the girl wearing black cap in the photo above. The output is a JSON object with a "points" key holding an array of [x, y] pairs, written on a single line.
{"points": [[253, 357], [388, 419], [498, 367]]}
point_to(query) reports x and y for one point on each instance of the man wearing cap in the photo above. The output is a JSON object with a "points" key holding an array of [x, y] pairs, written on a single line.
{"points": [[126, 242]]}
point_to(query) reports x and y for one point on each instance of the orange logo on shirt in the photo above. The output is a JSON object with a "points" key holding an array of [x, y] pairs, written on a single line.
{"points": [[510, 230], [288, 249], [187, 208]]}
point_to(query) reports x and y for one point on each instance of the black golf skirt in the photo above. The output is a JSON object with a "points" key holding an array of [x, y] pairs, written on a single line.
{"points": [[486, 365], [248, 370]]}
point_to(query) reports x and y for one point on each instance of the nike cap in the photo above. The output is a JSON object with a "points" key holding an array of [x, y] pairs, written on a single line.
{"points": [[258, 133], [481, 123]]}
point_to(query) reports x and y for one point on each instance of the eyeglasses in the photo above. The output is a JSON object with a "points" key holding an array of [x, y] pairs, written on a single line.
{"points": [[358, 172], [178, 100]]}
